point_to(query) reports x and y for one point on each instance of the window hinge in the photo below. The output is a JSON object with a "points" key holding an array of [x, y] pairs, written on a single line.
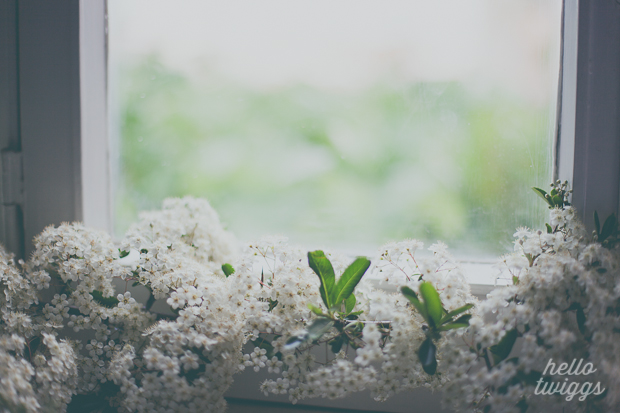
{"points": [[12, 178]]}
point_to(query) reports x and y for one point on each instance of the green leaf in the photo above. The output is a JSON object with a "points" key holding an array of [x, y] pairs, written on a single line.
{"points": [[597, 223], [349, 304], [461, 322], [426, 355], [608, 227], [455, 312], [528, 378], [542, 194], [549, 229], [319, 327], [33, 345], [94, 402], [581, 321], [557, 200], [502, 349], [104, 301], [415, 301], [123, 253], [432, 302], [522, 405], [353, 316], [294, 342], [349, 280], [600, 396], [314, 332], [272, 304], [265, 344], [336, 344], [228, 269], [323, 268], [316, 310]]}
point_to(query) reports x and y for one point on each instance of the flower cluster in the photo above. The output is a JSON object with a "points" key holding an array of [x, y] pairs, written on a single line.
{"points": [[161, 320], [365, 347], [72, 330], [37, 371], [563, 306]]}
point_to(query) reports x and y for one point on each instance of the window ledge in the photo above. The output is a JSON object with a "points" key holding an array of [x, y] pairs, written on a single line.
{"points": [[480, 274]]}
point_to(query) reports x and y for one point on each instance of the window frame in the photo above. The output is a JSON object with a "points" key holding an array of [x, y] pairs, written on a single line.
{"points": [[587, 148], [54, 140], [57, 168]]}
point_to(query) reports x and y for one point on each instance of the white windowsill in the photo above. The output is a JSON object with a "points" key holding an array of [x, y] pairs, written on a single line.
{"points": [[481, 276], [245, 396]]}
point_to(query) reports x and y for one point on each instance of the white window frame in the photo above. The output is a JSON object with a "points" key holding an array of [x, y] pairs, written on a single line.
{"points": [[53, 138], [587, 152], [53, 125], [54, 141]]}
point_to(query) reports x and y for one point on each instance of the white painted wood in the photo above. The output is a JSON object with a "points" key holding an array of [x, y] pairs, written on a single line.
{"points": [[589, 133], [62, 114], [95, 153], [49, 96], [11, 184], [564, 154]]}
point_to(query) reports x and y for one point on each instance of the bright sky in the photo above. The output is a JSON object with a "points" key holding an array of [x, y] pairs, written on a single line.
{"points": [[349, 43]]}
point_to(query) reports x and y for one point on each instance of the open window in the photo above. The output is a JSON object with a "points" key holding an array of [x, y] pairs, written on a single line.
{"points": [[53, 125], [56, 157], [345, 124], [55, 148]]}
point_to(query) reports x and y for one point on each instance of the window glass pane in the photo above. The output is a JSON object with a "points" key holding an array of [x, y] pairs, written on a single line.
{"points": [[338, 123]]}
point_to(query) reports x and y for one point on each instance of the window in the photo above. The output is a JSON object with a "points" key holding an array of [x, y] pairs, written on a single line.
{"points": [[588, 146], [40, 135], [53, 126], [345, 124]]}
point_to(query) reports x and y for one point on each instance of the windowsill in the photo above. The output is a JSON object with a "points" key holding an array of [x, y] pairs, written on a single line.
{"points": [[481, 276], [244, 394], [480, 271]]}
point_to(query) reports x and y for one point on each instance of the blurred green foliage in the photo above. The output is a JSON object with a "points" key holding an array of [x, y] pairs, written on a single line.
{"points": [[356, 169]]}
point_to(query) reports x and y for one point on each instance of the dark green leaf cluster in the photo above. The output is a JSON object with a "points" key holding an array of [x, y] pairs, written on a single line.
{"points": [[558, 196], [500, 351], [608, 235], [339, 300], [438, 319], [109, 302]]}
